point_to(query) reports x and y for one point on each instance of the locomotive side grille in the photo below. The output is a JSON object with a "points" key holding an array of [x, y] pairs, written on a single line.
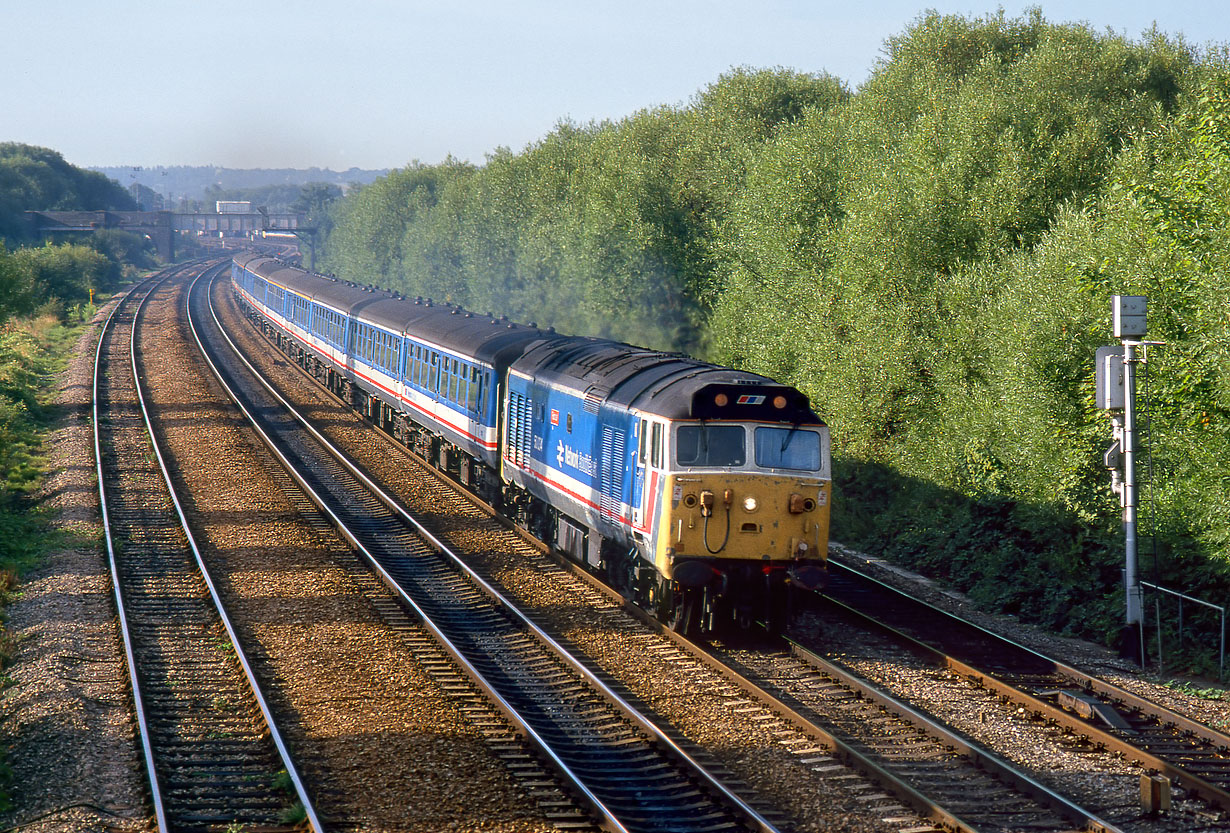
{"points": [[516, 428], [523, 441], [611, 482], [593, 398]]}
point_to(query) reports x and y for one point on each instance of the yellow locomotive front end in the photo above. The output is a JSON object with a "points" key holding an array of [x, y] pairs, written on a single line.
{"points": [[743, 519], [771, 521]]}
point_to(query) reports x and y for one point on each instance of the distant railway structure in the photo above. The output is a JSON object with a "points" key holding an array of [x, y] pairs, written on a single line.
{"points": [[231, 219]]}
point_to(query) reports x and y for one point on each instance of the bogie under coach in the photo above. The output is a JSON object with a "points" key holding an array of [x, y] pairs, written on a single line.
{"points": [[699, 490]]}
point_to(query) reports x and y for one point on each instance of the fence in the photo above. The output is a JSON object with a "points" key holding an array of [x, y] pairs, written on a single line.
{"points": [[1162, 592]]}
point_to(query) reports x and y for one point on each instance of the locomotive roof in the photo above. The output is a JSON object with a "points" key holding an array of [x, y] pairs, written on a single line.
{"points": [[667, 384], [484, 337]]}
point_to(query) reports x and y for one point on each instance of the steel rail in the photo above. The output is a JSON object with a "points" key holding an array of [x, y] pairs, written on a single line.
{"points": [[147, 748], [233, 635], [843, 750], [609, 821], [1208, 791], [982, 757]]}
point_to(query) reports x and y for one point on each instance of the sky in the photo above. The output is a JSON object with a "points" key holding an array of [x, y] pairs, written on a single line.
{"points": [[384, 83]]}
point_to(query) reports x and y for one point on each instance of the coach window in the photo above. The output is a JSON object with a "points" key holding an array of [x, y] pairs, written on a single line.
{"points": [[476, 384], [435, 372]]}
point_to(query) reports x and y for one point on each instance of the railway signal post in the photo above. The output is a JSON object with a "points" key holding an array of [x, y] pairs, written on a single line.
{"points": [[1116, 394]]}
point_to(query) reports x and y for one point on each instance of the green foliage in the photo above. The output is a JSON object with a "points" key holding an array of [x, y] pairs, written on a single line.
{"points": [[38, 179], [30, 353], [603, 229], [930, 258], [1203, 693], [125, 248], [55, 278]]}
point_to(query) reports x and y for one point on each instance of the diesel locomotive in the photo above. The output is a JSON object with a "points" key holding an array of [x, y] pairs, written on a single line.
{"points": [[701, 491]]}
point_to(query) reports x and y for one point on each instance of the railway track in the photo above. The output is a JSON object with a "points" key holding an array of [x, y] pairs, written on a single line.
{"points": [[213, 753], [834, 721], [904, 758], [1191, 754], [627, 771]]}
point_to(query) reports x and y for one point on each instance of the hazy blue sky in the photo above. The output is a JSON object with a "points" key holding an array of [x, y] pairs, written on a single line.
{"points": [[379, 83]]}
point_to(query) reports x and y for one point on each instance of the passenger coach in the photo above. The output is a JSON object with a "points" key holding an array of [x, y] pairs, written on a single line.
{"points": [[430, 373]]}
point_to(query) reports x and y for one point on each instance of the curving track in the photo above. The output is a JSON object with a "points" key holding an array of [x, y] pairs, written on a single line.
{"points": [[959, 794], [628, 771], [1193, 755], [213, 754]]}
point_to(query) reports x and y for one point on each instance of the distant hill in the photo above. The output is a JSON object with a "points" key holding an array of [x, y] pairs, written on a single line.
{"points": [[188, 182]]}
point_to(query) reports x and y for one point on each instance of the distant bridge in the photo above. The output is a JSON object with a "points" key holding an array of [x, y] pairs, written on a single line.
{"points": [[162, 226]]}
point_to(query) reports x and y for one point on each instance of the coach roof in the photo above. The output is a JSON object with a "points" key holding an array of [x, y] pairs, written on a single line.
{"points": [[483, 337]]}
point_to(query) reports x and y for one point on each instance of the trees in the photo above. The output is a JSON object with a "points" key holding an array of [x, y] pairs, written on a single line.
{"points": [[929, 258], [38, 179]]}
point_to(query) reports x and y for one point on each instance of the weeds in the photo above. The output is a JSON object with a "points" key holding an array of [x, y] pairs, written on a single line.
{"points": [[294, 814], [1193, 690], [283, 783], [32, 352]]}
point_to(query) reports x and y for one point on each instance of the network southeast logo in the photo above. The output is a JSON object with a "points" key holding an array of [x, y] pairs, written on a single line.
{"points": [[565, 456]]}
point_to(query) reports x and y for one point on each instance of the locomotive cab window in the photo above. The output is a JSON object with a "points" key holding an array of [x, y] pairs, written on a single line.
{"points": [[787, 448], [706, 445], [655, 446]]}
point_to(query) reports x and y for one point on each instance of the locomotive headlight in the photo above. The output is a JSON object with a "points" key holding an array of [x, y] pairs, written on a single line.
{"points": [[750, 504]]}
